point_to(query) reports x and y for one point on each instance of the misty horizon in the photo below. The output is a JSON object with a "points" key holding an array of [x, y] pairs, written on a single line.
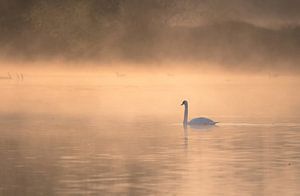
{"points": [[241, 35]]}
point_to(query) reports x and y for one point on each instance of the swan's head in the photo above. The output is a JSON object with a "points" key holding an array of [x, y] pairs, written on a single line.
{"points": [[184, 102]]}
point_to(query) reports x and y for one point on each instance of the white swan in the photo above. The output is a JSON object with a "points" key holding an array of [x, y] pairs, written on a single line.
{"points": [[196, 121]]}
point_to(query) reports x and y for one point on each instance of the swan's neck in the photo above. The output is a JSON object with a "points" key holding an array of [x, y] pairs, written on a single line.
{"points": [[186, 112]]}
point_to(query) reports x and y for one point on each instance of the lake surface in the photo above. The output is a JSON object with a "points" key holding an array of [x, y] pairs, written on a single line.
{"points": [[92, 139]]}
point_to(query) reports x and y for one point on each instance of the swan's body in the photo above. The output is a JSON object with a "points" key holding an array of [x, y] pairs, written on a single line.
{"points": [[196, 121], [201, 121]]}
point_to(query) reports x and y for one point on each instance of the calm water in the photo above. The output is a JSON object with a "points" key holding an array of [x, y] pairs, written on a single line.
{"points": [[81, 148]]}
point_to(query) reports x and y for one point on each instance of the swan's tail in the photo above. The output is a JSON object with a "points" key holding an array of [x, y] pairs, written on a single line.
{"points": [[215, 123]]}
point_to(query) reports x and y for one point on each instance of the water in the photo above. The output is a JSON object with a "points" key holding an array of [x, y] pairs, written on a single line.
{"points": [[74, 140]]}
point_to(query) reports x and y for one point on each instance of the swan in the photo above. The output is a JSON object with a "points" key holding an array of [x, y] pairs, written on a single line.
{"points": [[196, 121]]}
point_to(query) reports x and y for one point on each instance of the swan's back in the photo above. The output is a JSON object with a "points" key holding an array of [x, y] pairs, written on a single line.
{"points": [[202, 121]]}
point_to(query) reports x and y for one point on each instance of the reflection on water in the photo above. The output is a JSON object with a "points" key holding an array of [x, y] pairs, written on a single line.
{"points": [[54, 152], [67, 156]]}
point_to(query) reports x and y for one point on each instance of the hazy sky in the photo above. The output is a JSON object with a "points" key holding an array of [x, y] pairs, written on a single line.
{"points": [[229, 33]]}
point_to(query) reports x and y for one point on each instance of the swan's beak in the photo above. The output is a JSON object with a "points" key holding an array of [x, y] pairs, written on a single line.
{"points": [[181, 104]]}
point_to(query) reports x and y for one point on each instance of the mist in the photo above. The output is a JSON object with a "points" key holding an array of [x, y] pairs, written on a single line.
{"points": [[236, 35]]}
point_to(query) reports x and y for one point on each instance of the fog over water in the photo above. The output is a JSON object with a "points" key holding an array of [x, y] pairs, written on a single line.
{"points": [[152, 92]]}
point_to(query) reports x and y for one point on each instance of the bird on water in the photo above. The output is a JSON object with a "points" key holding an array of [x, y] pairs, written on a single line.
{"points": [[196, 121]]}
